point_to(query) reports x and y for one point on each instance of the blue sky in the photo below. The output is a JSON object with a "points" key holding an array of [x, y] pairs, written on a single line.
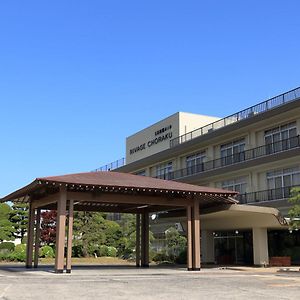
{"points": [[77, 77]]}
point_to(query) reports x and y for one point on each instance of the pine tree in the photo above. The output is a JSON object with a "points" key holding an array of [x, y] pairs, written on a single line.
{"points": [[294, 212], [6, 226], [19, 217]]}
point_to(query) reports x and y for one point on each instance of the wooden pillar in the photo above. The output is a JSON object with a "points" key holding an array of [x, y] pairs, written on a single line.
{"points": [[189, 239], [70, 236], [145, 240], [30, 233], [37, 237], [60, 230], [196, 236], [138, 240]]}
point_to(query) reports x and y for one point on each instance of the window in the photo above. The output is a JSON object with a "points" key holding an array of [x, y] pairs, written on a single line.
{"points": [[163, 171], [281, 138], [194, 163], [233, 152], [237, 184], [280, 181], [141, 173]]}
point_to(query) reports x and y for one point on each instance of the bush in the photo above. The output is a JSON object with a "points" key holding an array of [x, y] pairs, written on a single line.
{"points": [[9, 246], [182, 257], [111, 251], [77, 251], [160, 257], [46, 251], [19, 254], [104, 250], [4, 255]]}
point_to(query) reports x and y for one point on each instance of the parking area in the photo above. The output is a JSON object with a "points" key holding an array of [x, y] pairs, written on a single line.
{"points": [[127, 282]]}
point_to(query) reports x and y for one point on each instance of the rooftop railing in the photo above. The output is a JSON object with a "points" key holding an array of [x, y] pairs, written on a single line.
{"points": [[111, 166], [265, 195], [241, 115], [237, 158]]}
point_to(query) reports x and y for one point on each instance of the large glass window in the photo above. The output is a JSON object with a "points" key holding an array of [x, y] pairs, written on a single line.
{"points": [[236, 184], [164, 170], [280, 181], [281, 138], [194, 163], [233, 152]]}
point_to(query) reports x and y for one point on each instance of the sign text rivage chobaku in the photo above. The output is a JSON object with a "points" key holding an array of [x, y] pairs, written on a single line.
{"points": [[161, 135]]}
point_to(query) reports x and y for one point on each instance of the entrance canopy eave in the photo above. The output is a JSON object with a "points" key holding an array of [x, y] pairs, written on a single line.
{"points": [[92, 188]]}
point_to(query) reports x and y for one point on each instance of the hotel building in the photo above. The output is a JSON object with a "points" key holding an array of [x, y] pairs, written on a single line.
{"points": [[255, 151]]}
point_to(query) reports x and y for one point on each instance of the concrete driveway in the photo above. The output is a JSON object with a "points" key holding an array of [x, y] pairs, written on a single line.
{"points": [[126, 282]]}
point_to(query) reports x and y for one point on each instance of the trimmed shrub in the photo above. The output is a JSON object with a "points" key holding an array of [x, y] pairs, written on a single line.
{"points": [[111, 251], [19, 254], [77, 251], [4, 255], [182, 257], [104, 250], [160, 256], [46, 251], [8, 246]]}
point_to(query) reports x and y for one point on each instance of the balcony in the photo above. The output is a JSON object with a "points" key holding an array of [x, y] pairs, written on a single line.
{"points": [[241, 115], [111, 166], [265, 196], [237, 158]]}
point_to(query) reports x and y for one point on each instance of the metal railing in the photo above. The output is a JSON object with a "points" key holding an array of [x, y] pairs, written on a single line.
{"points": [[111, 166], [250, 154], [241, 115], [266, 195]]}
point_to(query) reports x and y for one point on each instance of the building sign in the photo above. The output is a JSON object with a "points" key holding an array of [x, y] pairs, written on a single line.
{"points": [[163, 134]]}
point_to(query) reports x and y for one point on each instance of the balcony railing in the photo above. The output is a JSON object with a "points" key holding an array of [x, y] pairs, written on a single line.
{"points": [[111, 166], [241, 115], [266, 195], [250, 154]]}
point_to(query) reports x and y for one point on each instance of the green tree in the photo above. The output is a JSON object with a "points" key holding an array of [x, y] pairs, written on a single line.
{"points": [[19, 217], [176, 243], [91, 230], [7, 229], [294, 212]]}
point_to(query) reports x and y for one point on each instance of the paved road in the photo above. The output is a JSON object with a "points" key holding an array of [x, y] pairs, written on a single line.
{"points": [[154, 283]]}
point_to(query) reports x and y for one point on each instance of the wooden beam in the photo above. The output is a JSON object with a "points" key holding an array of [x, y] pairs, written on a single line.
{"points": [[129, 199], [45, 200]]}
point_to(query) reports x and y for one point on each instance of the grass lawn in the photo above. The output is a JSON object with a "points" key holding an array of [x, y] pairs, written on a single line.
{"points": [[81, 261]]}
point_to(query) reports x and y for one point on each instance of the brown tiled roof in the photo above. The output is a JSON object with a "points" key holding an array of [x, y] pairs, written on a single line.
{"points": [[116, 180]]}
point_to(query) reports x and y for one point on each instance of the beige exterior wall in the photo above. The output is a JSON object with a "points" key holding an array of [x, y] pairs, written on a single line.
{"points": [[253, 133], [156, 137]]}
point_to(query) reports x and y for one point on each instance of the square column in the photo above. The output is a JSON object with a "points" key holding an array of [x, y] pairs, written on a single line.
{"points": [[30, 234], [207, 246], [60, 230], [260, 246], [189, 239], [138, 241], [37, 237], [145, 240], [70, 235], [196, 236]]}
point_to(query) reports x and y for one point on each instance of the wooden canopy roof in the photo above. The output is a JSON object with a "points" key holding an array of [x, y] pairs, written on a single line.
{"points": [[101, 191]]}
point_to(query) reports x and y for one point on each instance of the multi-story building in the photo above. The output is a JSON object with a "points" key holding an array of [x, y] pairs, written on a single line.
{"points": [[255, 152]]}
